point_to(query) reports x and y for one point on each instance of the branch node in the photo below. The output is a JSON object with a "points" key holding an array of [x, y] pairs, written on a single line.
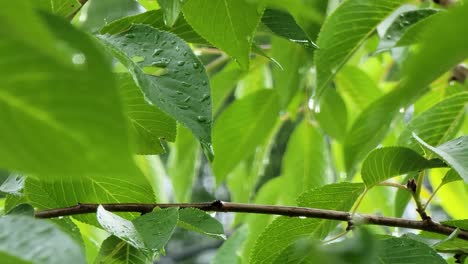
{"points": [[411, 185], [217, 204]]}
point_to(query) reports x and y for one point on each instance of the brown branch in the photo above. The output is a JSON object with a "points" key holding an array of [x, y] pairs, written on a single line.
{"points": [[291, 211]]}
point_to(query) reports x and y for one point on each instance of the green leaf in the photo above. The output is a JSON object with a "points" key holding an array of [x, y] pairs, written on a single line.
{"points": [[120, 227], [183, 164], [237, 132], [148, 123], [357, 87], [116, 251], [154, 18], [332, 115], [287, 81], [228, 252], [230, 27], [415, 33], [63, 8], [171, 9], [453, 45], [285, 230], [201, 222], [454, 153], [71, 122], [222, 84], [401, 25], [403, 197], [437, 124], [384, 163], [170, 75], [22, 209], [30, 240], [405, 250], [101, 12], [451, 176], [305, 161], [284, 25], [344, 31], [157, 227]]}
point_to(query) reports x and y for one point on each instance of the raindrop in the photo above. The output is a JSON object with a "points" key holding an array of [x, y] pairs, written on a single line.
{"points": [[406, 22], [180, 63], [204, 82], [161, 63], [388, 36], [179, 92], [130, 36], [201, 118], [195, 65], [187, 98], [185, 53], [402, 110], [186, 84], [78, 58], [124, 44], [183, 106], [205, 97], [156, 52], [173, 42]]}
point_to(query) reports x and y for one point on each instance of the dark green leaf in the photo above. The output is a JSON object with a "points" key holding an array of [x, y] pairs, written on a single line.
{"points": [[157, 227], [154, 18], [404, 250], [116, 251], [150, 125], [437, 124], [285, 230], [230, 27], [284, 25], [415, 33], [228, 252], [36, 241], [22, 209], [237, 132], [201, 222], [170, 75], [384, 163], [401, 24], [454, 153], [344, 31]]}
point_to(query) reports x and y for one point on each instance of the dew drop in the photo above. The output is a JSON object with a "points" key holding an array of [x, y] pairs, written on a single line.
{"points": [[201, 119], [205, 97], [186, 84], [181, 63], [130, 36], [173, 42], [388, 36], [179, 92], [204, 82], [183, 106], [195, 65], [187, 98], [156, 52], [161, 63]]}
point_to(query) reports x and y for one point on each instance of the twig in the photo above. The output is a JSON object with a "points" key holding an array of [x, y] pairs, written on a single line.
{"points": [[291, 211]]}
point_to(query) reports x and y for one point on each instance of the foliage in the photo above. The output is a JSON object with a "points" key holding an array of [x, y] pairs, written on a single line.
{"points": [[318, 104]]}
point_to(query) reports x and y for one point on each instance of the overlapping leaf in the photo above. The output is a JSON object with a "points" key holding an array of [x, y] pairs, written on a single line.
{"points": [[227, 24], [170, 75], [405, 250], [384, 163], [115, 250], [201, 222], [285, 230], [344, 31]]}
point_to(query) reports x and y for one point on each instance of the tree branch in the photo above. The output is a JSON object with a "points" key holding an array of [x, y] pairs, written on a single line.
{"points": [[291, 211]]}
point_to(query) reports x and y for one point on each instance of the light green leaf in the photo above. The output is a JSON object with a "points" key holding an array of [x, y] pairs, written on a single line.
{"points": [[149, 124], [357, 87], [404, 22], [230, 27], [101, 12], [332, 114], [384, 163], [25, 239], [116, 251], [170, 75], [228, 253], [293, 58], [120, 227], [201, 222], [402, 197], [71, 119], [63, 8], [454, 153], [171, 9], [183, 163], [451, 176], [157, 227], [344, 31], [437, 124], [285, 230], [404, 250], [222, 84], [237, 132], [154, 18], [305, 160], [454, 48], [284, 25]]}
